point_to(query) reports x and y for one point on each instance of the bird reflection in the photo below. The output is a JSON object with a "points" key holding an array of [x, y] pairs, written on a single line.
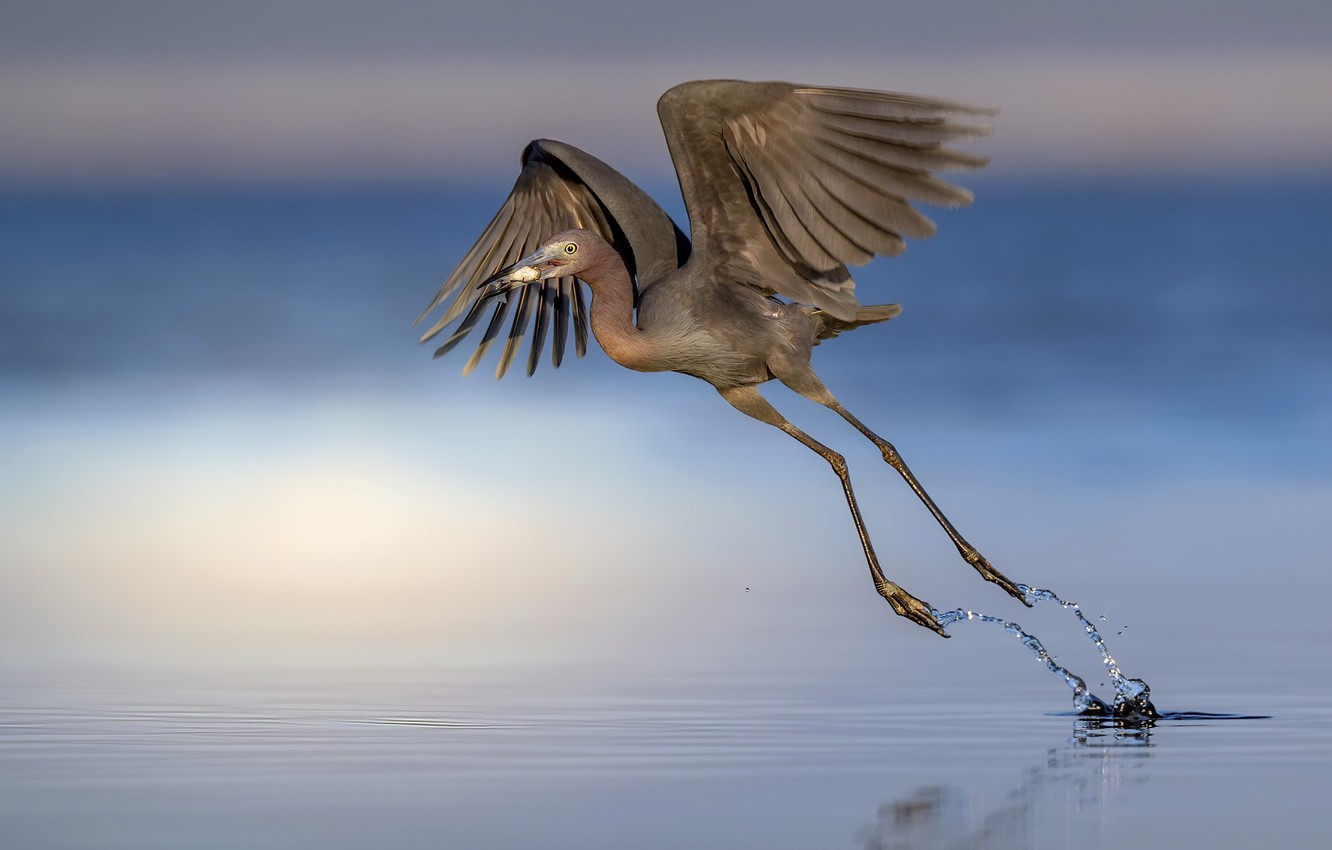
{"points": [[1101, 754]]}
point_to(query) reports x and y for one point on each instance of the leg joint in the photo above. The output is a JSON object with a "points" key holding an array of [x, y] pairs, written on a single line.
{"points": [[890, 454], [838, 463]]}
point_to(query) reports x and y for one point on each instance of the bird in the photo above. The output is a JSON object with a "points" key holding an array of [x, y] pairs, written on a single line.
{"points": [[785, 185]]}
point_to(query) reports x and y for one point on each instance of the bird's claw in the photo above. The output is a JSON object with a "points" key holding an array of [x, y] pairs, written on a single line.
{"points": [[909, 606], [989, 573]]}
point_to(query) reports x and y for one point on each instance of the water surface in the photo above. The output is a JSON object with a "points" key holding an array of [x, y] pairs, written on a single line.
{"points": [[432, 757]]}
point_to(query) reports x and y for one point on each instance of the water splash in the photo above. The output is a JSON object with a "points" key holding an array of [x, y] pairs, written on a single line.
{"points": [[1132, 696]]}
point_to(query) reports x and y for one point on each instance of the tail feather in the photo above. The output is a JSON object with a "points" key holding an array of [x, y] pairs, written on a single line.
{"points": [[830, 326]]}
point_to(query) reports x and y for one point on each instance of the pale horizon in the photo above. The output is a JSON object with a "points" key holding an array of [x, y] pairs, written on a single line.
{"points": [[149, 120]]}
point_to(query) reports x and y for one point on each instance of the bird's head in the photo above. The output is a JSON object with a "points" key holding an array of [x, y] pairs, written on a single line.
{"points": [[564, 255]]}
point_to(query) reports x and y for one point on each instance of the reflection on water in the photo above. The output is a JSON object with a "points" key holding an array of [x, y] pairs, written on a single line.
{"points": [[1073, 779]]}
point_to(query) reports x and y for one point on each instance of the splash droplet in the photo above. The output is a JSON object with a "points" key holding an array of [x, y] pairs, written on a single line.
{"points": [[1132, 696]]}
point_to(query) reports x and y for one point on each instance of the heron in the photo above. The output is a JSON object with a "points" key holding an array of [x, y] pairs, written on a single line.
{"points": [[784, 186]]}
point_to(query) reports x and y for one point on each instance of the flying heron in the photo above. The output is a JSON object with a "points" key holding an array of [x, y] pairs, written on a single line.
{"points": [[784, 185]]}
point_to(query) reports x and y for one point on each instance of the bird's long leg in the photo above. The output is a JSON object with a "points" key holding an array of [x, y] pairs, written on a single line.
{"points": [[749, 401], [802, 379]]}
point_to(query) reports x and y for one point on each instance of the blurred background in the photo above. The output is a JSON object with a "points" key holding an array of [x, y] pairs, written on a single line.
{"points": [[221, 445]]}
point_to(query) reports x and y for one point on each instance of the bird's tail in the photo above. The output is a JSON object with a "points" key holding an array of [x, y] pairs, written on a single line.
{"points": [[830, 326]]}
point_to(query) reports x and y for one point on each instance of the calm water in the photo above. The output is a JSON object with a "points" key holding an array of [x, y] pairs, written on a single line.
{"points": [[507, 757], [269, 577]]}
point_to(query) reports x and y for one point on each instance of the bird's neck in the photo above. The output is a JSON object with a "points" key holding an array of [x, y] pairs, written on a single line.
{"points": [[612, 315]]}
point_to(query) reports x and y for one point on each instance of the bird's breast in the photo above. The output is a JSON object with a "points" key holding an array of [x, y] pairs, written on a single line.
{"points": [[719, 346]]}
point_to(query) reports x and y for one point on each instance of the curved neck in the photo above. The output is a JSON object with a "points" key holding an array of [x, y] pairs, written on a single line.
{"points": [[612, 315]]}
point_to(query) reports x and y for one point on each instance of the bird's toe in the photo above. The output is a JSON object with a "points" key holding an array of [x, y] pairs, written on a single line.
{"points": [[906, 605], [989, 573]]}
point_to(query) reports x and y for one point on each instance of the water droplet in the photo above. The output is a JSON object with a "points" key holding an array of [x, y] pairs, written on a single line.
{"points": [[1083, 700], [1131, 695]]}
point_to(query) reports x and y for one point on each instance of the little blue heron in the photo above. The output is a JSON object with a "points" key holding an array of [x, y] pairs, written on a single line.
{"points": [[784, 185]]}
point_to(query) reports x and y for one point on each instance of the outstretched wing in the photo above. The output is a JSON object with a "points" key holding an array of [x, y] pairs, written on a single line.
{"points": [[786, 185], [559, 187]]}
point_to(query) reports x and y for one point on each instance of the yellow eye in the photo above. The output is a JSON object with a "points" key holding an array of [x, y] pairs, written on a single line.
{"points": [[571, 248]]}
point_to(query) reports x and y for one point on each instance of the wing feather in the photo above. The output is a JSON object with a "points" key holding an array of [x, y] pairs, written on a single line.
{"points": [[918, 159], [464, 328], [887, 211], [864, 238], [561, 323], [522, 314], [772, 223], [488, 338], [541, 324], [825, 218], [796, 182], [558, 187], [779, 186]]}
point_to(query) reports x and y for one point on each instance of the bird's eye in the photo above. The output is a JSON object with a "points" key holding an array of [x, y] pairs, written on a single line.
{"points": [[571, 248]]}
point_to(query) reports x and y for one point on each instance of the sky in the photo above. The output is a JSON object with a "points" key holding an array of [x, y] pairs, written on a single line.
{"points": [[185, 92]]}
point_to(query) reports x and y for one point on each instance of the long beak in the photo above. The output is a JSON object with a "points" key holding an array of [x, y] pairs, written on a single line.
{"points": [[543, 263]]}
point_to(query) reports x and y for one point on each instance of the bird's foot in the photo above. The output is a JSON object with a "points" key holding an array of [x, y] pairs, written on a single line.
{"points": [[909, 606], [989, 573]]}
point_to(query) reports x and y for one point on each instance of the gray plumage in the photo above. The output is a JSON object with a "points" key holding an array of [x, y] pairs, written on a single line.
{"points": [[785, 186]]}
